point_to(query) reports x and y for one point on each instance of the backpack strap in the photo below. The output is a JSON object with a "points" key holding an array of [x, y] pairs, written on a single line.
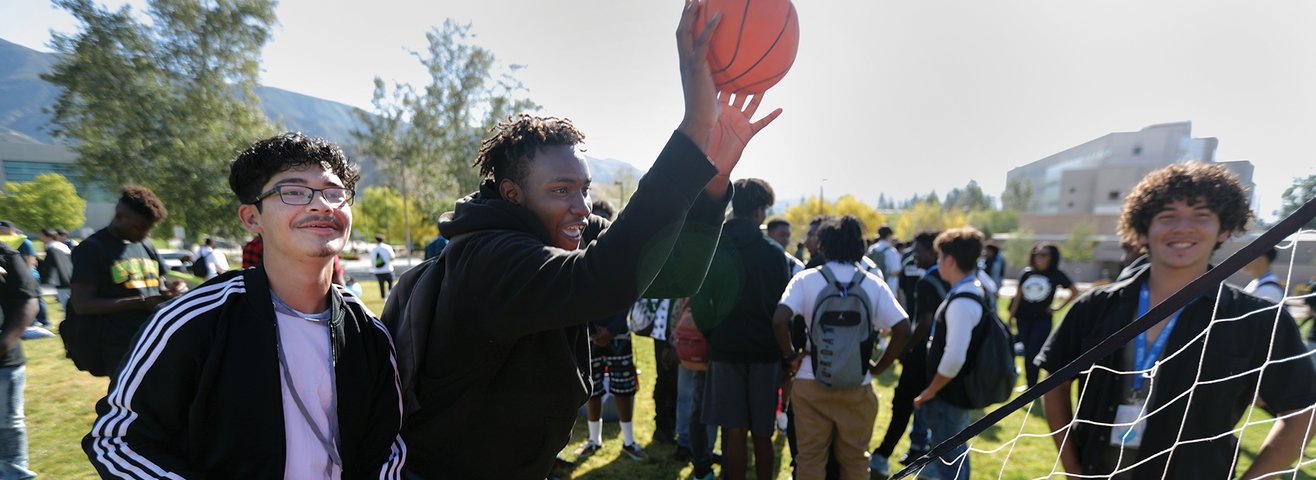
{"points": [[830, 278]]}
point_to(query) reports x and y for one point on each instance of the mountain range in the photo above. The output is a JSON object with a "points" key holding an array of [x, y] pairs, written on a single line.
{"points": [[25, 98]]}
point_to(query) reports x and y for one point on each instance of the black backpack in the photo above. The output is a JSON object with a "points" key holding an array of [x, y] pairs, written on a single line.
{"points": [[200, 267], [991, 373], [408, 314]]}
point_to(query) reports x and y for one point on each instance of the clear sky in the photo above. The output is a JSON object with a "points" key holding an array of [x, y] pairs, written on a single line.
{"points": [[896, 97]]}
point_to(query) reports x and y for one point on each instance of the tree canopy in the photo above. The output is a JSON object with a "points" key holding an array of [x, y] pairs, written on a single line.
{"points": [[165, 103], [48, 201]]}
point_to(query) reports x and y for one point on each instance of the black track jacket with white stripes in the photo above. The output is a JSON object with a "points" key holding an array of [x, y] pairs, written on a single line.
{"points": [[199, 395]]}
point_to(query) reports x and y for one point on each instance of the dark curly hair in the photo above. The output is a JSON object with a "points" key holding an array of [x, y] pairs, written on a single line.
{"points": [[842, 239], [251, 169], [963, 245], [1190, 182], [143, 201], [508, 152], [751, 194]]}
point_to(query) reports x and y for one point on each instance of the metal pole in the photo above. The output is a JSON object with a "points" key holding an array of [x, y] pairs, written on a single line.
{"points": [[406, 216]]}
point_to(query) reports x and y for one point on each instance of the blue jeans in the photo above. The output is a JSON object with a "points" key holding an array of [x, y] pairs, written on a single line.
{"points": [[685, 406], [946, 420], [918, 432], [13, 430]]}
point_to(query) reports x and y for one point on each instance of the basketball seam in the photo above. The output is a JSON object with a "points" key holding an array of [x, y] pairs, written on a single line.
{"points": [[784, 26], [740, 34]]}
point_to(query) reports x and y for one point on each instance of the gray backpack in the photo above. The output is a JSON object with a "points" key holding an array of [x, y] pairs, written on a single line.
{"points": [[841, 335]]}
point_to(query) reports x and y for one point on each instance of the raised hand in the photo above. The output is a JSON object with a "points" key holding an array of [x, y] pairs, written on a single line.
{"points": [[701, 109], [733, 131]]}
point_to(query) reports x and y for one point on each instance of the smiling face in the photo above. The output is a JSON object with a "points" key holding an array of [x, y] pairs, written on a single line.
{"points": [[314, 230], [556, 189], [1183, 236]]}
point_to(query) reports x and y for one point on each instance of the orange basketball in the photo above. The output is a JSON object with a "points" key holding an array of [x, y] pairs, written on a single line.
{"points": [[754, 44]]}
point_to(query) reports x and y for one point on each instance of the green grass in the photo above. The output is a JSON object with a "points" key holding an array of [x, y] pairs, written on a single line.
{"points": [[61, 400]]}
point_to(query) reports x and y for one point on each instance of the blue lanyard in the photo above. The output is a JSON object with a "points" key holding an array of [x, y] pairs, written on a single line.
{"points": [[973, 275], [1145, 357]]}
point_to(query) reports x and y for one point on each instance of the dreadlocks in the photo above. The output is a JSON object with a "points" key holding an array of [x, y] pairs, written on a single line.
{"points": [[508, 152]]}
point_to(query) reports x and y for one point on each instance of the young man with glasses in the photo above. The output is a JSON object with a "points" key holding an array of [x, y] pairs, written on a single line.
{"points": [[267, 372]]}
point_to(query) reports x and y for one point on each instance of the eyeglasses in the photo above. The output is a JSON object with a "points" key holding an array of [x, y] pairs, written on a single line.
{"points": [[297, 195]]}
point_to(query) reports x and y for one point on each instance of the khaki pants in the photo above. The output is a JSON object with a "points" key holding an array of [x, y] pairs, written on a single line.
{"points": [[836, 419]]}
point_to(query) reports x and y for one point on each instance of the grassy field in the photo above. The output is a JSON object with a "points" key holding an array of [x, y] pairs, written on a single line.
{"points": [[60, 408]]}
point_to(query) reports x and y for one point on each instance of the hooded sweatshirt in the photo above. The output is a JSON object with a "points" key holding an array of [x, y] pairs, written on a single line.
{"points": [[735, 306], [507, 358]]}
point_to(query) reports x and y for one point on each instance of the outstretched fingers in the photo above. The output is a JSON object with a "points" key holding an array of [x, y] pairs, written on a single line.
{"points": [[763, 122]]}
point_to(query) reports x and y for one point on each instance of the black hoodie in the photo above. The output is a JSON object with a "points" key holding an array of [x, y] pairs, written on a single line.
{"points": [[735, 306], [507, 361]]}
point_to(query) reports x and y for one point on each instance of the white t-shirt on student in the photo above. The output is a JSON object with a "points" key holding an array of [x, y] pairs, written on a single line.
{"points": [[962, 315], [215, 261], [802, 293], [1266, 286], [305, 346], [383, 251]]}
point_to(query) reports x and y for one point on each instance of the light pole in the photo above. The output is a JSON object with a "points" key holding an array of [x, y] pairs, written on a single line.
{"points": [[406, 216]]}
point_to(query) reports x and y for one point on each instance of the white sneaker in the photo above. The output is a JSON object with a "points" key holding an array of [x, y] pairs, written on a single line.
{"points": [[36, 332]]}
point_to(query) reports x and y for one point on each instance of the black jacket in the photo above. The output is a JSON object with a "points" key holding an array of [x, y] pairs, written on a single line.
{"points": [[506, 364], [735, 306], [200, 395], [1240, 340]]}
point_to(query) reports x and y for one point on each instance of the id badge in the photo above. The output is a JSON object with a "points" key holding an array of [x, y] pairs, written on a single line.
{"points": [[1130, 436]]}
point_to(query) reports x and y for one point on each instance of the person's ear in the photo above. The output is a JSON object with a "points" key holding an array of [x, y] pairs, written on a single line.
{"points": [[249, 215], [510, 191]]}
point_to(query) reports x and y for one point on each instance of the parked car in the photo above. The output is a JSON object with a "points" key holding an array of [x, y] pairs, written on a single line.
{"points": [[176, 260]]}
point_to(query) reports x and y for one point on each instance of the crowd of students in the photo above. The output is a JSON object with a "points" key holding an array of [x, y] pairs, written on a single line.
{"points": [[484, 353]]}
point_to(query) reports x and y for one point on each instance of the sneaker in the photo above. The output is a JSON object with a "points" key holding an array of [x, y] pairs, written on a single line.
{"points": [[587, 449], [707, 476], [912, 455], [36, 332], [878, 467], [683, 454], [664, 437], [634, 451]]}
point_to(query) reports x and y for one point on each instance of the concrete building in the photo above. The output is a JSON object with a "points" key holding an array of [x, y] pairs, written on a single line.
{"points": [[1086, 185], [22, 161]]}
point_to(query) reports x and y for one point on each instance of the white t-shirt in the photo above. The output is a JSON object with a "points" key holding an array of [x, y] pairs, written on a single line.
{"points": [[215, 261], [1266, 286], [890, 262], [794, 264], [962, 315], [802, 293], [384, 251], [305, 346]]}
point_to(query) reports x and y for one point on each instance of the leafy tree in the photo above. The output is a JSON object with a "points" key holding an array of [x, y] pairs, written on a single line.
{"points": [[1017, 195], [970, 198], [927, 216], [423, 139], [800, 215], [1080, 246], [1016, 249], [992, 222], [48, 201], [379, 210], [1296, 195], [165, 103]]}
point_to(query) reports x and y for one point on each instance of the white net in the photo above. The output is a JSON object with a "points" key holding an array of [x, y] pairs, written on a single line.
{"points": [[1022, 446]]}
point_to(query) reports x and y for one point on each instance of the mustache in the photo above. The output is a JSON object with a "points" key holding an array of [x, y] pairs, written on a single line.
{"points": [[315, 219]]}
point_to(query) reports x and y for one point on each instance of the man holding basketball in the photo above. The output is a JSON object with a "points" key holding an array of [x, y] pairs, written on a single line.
{"points": [[505, 363]]}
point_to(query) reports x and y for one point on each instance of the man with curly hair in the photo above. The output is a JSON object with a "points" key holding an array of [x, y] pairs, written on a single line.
{"points": [[118, 277], [505, 361], [272, 371], [1179, 216]]}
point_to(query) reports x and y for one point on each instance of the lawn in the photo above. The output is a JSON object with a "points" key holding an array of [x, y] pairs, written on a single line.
{"points": [[60, 409]]}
